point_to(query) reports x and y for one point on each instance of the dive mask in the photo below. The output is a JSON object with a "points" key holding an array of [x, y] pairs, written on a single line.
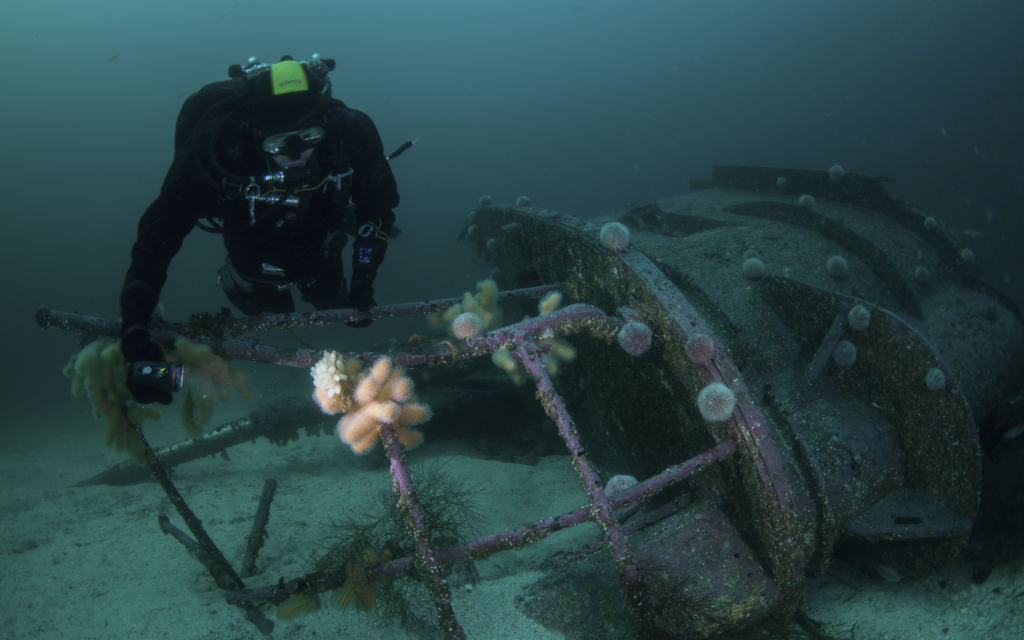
{"points": [[293, 149]]}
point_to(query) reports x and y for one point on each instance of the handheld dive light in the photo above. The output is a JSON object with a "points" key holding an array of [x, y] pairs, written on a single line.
{"points": [[166, 376]]}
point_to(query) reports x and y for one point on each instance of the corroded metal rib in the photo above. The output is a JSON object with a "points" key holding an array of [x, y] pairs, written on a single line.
{"points": [[775, 505]]}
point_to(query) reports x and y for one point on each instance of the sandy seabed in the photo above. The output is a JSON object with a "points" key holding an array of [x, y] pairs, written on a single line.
{"points": [[90, 562]]}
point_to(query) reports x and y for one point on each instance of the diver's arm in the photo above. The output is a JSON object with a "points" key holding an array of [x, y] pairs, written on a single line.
{"points": [[162, 229], [374, 191], [374, 194]]}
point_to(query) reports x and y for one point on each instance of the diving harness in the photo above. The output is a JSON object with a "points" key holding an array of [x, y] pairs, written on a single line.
{"points": [[254, 194], [257, 192]]}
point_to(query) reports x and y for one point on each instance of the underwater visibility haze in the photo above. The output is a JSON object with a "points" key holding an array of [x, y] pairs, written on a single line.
{"points": [[602, 110]]}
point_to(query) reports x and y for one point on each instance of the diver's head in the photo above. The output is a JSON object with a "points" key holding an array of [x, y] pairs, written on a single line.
{"points": [[282, 110], [290, 124]]}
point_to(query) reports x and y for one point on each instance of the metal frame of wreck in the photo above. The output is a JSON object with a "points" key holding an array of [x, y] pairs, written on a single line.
{"points": [[772, 502]]}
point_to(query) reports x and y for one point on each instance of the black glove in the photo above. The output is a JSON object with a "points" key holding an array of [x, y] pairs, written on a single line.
{"points": [[361, 299], [367, 255], [138, 346]]}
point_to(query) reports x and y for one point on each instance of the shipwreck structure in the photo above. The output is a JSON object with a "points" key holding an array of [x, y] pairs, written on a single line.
{"points": [[849, 346], [862, 347]]}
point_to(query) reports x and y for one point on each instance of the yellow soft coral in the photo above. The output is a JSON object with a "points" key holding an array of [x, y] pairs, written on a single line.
{"points": [[368, 398], [484, 303], [98, 371], [208, 377], [359, 589], [558, 350], [297, 604]]}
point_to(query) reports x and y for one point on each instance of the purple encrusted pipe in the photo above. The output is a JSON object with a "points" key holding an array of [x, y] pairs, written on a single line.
{"points": [[48, 318], [334, 316], [560, 322], [600, 508], [523, 535], [416, 522], [571, 319]]}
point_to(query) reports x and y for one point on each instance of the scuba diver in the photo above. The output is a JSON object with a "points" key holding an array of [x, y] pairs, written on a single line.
{"points": [[279, 168]]}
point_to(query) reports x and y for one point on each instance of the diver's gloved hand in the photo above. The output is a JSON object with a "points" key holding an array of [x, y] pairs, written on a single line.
{"points": [[367, 255], [361, 299], [138, 346]]}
